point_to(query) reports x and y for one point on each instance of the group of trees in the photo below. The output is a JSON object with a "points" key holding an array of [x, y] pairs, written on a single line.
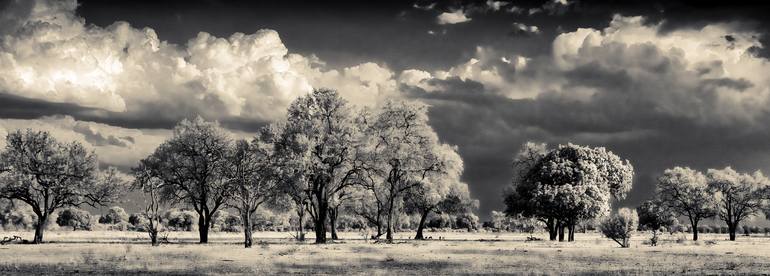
{"points": [[726, 194], [324, 159], [568, 184]]}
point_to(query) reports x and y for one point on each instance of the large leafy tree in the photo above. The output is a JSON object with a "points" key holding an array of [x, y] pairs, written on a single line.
{"points": [[192, 166], [318, 142], [738, 195], [685, 192], [402, 152], [440, 192], [254, 171], [48, 175], [569, 184]]}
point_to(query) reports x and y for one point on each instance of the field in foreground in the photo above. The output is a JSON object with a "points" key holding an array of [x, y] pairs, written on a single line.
{"points": [[463, 253]]}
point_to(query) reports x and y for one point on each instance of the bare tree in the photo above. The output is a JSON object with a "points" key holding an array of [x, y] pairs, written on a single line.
{"points": [[191, 165], [48, 175], [151, 188], [685, 192]]}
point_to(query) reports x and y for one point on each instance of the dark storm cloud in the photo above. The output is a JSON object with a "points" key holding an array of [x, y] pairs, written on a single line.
{"points": [[489, 129]]}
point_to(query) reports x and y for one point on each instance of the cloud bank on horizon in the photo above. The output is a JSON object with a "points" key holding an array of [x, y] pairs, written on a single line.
{"points": [[656, 96]]}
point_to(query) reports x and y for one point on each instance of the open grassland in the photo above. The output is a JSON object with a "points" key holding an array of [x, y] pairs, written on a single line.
{"points": [[102, 253]]}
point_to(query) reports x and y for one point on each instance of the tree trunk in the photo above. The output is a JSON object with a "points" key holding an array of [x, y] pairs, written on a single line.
{"points": [[333, 222], [571, 237], [389, 230], [694, 230], [561, 226], [153, 237], [301, 226], [733, 228], [320, 223], [203, 228], [551, 225], [420, 227], [247, 237], [39, 228]]}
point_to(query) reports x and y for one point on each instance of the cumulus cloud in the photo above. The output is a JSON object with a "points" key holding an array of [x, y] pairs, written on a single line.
{"points": [[455, 17], [49, 53]]}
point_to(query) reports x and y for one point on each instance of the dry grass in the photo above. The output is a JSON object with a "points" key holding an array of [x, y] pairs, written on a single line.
{"points": [[127, 253]]}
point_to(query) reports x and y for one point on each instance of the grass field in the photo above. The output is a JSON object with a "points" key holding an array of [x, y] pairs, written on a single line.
{"points": [[104, 252]]}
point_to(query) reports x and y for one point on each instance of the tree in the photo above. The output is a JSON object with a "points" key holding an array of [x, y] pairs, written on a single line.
{"points": [[654, 216], [151, 218], [685, 192], [114, 215], [254, 172], [191, 165], [49, 175], [426, 199], [738, 195], [401, 152], [620, 227], [567, 184], [318, 142], [76, 218]]}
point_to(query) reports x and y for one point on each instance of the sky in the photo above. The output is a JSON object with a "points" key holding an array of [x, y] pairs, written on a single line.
{"points": [[660, 83]]}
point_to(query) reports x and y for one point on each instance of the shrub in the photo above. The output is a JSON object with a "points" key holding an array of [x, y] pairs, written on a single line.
{"points": [[620, 226], [76, 218], [121, 226], [114, 215], [16, 216], [183, 220]]}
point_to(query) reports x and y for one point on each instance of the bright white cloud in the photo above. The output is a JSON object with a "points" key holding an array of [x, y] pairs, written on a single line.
{"points": [[455, 17], [53, 55]]}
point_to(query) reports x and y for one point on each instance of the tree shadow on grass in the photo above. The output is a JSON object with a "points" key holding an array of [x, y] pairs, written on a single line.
{"points": [[389, 264]]}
